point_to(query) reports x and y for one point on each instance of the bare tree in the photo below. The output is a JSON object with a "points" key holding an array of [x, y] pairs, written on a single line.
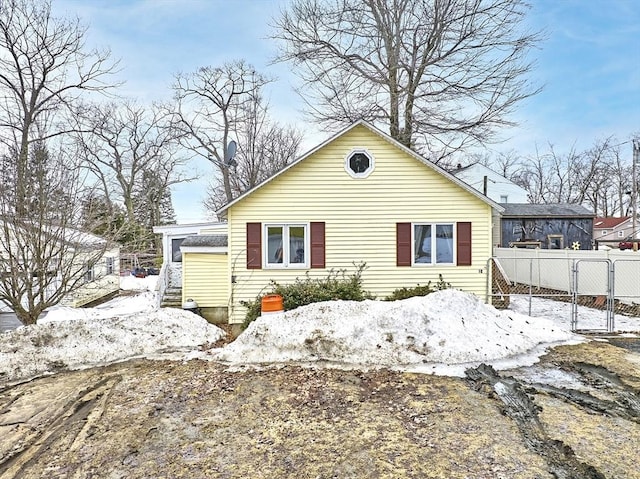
{"points": [[45, 71], [533, 177], [599, 177], [550, 177], [264, 148], [621, 173], [44, 68], [128, 148], [442, 74], [506, 163], [43, 256], [209, 103]]}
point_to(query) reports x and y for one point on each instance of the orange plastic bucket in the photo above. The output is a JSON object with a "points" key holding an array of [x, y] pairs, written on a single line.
{"points": [[271, 303]]}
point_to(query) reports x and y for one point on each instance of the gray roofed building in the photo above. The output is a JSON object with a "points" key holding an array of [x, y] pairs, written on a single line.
{"points": [[550, 226], [553, 210], [205, 241]]}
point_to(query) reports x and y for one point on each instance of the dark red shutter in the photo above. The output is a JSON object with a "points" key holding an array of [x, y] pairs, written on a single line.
{"points": [[403, 244], [463, 248], [254, 245], [317, 245]]}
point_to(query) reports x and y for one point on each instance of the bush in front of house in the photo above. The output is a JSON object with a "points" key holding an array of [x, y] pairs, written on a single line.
{"points": [[404, 293], [336, 285]]}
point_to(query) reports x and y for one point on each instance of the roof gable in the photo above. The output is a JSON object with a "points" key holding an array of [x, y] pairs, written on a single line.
{"points": [[609, 222], [428, 164], [497, 186]]}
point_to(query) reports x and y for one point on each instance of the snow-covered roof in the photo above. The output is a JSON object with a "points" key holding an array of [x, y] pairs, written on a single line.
{"points": [[58, 233], [191, 228], [205, 241]]}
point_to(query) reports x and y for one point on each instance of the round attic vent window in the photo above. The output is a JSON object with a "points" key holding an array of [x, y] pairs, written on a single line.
{"points": [[359, 163]]}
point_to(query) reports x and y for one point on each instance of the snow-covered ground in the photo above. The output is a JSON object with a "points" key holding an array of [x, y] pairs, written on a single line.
{"points": [[125, 327], [442, 333]]}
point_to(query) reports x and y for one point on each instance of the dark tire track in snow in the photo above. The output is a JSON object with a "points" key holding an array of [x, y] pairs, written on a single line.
{"points": [[68, 424], [622, 399], [519, 406]]}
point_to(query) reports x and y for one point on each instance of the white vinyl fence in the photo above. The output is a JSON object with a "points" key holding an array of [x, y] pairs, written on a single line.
{"points": [[554, 269]]}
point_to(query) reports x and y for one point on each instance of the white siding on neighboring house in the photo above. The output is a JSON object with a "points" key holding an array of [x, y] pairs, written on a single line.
{"points": [[100, 279], [499, 188], [616, 229], [96, 268]]}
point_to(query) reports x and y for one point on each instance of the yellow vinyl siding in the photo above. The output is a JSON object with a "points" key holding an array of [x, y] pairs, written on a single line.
{"points": [[360, 217], [205, 279]]}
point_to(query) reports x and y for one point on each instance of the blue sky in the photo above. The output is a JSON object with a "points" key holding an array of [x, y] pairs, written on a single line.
{"points": [[589, 65]]}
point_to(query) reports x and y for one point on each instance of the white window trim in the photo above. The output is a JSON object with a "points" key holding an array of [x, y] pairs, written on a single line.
{"points": [[368, 171], [433, 243], [285, 246], [604, 233], [171, 240], [621, 234]]}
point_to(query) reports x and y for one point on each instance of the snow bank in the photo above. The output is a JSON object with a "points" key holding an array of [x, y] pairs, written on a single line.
{"points": [[89, 341], [447, 328], [131, 283], [121, 305]]}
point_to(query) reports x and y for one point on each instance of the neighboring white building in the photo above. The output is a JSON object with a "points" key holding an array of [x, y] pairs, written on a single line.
{"points": [[498, 188], [610, 231], [95, 258]]}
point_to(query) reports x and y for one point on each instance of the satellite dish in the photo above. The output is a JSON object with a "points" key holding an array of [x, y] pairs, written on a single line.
{"points": [[231, 152]]}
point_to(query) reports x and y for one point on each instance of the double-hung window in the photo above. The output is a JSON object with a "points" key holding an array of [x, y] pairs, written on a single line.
{"points": [[176, 254], [110, 262], [287, 245], [433, 243], [88, 273]]}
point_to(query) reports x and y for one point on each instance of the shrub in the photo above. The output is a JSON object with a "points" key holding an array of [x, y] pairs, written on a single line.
{"points": [[336, 285], [404, 293]]}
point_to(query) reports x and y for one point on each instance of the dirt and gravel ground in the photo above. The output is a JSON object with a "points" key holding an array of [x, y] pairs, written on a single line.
{"points": [[576, 414]]}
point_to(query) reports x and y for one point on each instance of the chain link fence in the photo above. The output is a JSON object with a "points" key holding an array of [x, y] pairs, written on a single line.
{"points": [[603, 281]]}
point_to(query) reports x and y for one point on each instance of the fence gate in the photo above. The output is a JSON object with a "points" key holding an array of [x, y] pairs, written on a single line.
{"points": [[587, 288]]}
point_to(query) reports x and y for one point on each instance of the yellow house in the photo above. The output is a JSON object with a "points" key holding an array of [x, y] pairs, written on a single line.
{"points": [[360, 197], [205, 276], [195, 267]]}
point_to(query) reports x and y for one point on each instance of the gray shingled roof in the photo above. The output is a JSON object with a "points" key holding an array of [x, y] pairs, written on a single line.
{"points": [[205, 240], [555, 210]]}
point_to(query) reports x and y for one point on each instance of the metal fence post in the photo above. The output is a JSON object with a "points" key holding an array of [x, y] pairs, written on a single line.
{"points": [[574, 296], [611, 305], [530, 284]]}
